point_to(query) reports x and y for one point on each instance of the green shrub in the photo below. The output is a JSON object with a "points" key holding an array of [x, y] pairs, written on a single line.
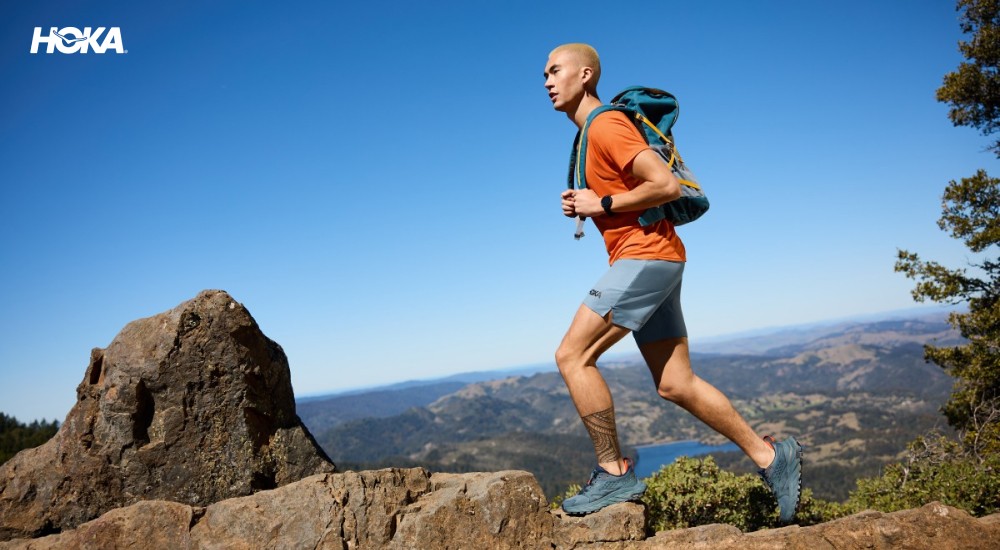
{"points": [[692, 492], [935, 469]]}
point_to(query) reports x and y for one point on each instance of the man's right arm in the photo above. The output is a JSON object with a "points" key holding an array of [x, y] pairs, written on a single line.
{"points": [[659, 185]]}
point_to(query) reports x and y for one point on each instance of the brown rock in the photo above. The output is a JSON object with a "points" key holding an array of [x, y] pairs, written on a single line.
{"points": [[479, 510], [393, 508], [408, 508], [348, 510], [147, 524], [193, 405], [613, 527], [933, 526], [716, 535]]}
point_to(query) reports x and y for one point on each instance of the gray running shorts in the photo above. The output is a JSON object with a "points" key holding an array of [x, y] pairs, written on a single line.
{"points": [[643, 296]]}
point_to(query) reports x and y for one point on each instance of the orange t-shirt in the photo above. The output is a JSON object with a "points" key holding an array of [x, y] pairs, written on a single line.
{"points": [[612, 144]]}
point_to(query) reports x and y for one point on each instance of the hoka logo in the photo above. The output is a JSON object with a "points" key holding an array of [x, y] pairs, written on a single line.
{"points": [[72, 40]]}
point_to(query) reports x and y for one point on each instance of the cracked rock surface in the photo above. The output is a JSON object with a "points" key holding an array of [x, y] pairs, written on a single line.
{"points": [[193, 405], [391, 508]]}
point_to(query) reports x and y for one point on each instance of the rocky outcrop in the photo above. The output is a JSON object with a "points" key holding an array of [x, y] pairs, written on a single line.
{"points": [[409, 508], [383, 509], [193, 406]]}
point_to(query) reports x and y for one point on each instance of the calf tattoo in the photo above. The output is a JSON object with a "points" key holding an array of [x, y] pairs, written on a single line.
{"points": [[601, 426]]}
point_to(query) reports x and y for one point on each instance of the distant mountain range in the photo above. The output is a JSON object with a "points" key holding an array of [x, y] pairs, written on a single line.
{"points": [[854, 392], [932, 324]]}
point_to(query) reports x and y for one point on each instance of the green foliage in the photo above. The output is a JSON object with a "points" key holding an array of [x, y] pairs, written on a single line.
{"points": [[963, 473], [692, 492], [971, 213], [15, 436], [936, 468], [974, 89]]}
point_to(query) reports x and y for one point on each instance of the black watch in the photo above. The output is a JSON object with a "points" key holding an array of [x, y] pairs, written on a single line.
{"points": [[606, 205]]}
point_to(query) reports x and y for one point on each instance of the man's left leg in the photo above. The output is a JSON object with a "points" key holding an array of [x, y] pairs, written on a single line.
{"points": [[780, 462], [670, 364]]}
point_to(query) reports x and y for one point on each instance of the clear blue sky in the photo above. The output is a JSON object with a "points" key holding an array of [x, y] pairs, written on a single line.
{"points": [[378, 181]]}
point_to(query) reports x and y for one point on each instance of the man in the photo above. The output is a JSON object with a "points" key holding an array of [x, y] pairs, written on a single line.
{"points": [[640, 293]]}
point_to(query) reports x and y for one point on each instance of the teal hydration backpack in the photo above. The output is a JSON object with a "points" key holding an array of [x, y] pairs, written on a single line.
{"points": [[653, 112]]}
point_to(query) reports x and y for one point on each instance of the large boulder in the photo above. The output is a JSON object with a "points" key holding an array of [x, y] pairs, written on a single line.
{"points": [[193, 405]]}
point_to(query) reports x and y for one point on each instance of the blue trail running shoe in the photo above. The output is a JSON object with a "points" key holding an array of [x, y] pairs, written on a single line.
{"points": [[605, 489], [784, 475]]}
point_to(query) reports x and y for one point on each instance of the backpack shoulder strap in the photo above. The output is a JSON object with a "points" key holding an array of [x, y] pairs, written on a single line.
{"points": [[578, 155]]}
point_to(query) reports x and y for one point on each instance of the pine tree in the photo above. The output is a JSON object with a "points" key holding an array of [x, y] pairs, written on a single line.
{"points": [[974, 89], [971, 213], [963, 473]]}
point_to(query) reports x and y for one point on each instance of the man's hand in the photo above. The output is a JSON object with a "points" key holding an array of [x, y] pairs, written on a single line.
{"points": [[568, 204], [587, 203]]}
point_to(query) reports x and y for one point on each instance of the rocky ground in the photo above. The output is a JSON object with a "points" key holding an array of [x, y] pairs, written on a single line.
{"points": [[397, 508]]}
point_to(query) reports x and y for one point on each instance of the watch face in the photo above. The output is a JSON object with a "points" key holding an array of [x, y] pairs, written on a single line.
{"points": [[606, 204]]}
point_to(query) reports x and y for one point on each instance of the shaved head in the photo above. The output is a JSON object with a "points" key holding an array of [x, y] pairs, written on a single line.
{"points": [[586, 56]]}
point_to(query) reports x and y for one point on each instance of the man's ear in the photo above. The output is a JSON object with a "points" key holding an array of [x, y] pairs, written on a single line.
{"points": [[586, 73]]}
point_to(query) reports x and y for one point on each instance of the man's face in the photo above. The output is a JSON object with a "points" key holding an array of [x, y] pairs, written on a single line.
{"points": [[563, 80]]}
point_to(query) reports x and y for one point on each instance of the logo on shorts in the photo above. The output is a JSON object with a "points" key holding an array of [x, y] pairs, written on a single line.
{"points": [[73, 40], [595, 292]]}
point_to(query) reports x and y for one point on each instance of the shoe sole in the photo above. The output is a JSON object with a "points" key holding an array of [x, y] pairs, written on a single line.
{"points": [[798, 486], [607, 501]]}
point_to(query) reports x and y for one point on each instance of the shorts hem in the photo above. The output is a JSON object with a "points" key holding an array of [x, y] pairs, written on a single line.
{"points": [[626, 325]]}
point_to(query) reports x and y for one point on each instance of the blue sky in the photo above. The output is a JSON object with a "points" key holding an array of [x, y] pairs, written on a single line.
{"points": [[378, 181]]}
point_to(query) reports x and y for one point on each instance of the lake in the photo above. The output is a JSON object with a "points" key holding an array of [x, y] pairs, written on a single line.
{"points": [[653, 457]]}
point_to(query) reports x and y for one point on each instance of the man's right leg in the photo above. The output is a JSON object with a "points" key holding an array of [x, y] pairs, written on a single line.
{"points": [[613, 481], [588, 337]]}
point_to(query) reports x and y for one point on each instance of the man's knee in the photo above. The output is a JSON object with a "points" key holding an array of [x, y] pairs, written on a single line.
{"points": [[676, 391], [567, 358]]}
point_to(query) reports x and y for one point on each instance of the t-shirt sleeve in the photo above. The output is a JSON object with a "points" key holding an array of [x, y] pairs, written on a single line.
{"points": [[615, 140]]}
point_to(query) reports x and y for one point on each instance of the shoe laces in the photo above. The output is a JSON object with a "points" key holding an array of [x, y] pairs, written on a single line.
{"points": [[596, 471]]}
